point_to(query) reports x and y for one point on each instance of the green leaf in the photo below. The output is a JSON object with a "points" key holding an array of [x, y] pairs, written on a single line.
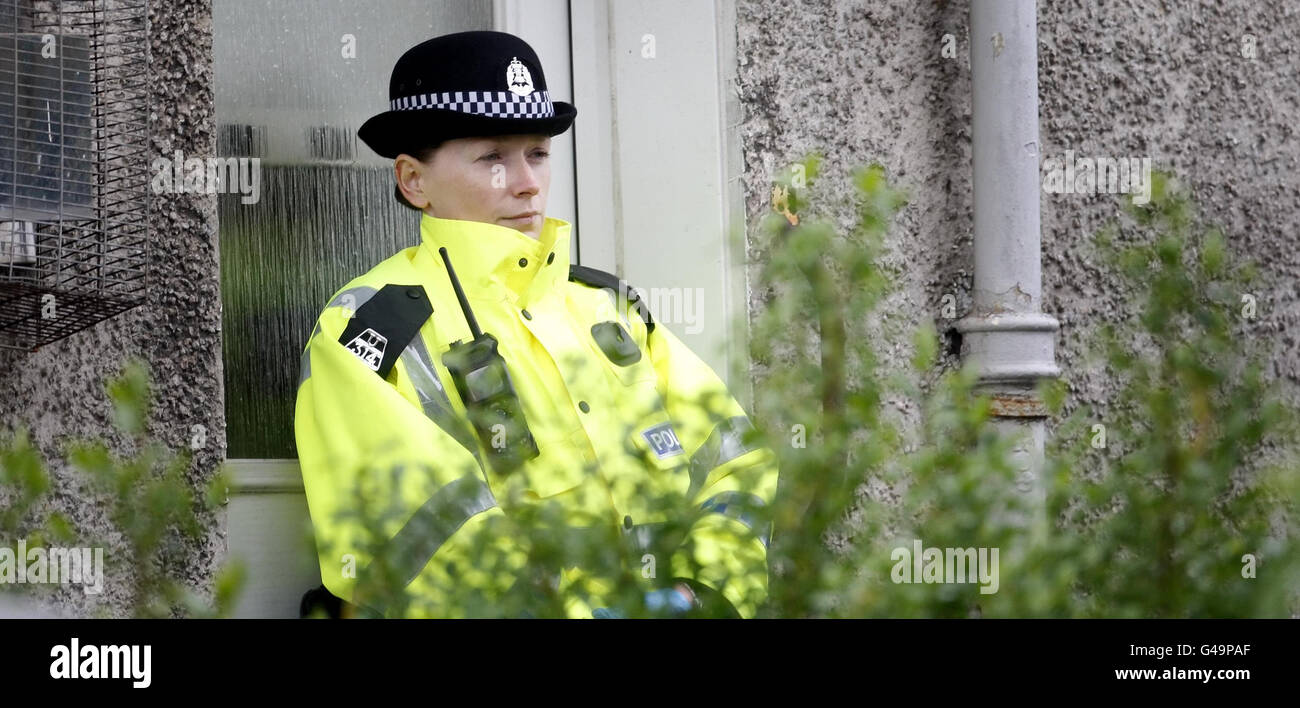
{"points": [[926, 343], [129, 393]]}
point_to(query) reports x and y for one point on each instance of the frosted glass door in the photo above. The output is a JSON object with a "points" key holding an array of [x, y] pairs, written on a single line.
{"points": [[294, 80]]}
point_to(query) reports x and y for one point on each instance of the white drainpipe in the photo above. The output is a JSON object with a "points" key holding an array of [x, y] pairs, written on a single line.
{"points": [[1006, 335]]}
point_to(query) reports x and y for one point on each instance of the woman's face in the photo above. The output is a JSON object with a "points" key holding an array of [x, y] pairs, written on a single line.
{"points": [[483, 179]]}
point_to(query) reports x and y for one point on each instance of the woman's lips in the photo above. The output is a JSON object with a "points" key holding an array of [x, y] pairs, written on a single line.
{"points": [[522, 219]]}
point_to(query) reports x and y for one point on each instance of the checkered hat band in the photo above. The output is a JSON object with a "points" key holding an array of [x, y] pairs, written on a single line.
{"points": [[493, 104]]}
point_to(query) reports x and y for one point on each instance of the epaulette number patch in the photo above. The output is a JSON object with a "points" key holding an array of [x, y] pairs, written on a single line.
{"points": [[369, 348]]}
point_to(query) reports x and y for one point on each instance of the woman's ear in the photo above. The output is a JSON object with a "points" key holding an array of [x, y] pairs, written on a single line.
{"points": [[410, 180]]}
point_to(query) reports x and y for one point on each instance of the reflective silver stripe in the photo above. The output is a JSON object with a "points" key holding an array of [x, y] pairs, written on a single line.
{"points": [[304, 365], [433, 398], [411, 548], [353, 298], [743, 507], [725, 443]]}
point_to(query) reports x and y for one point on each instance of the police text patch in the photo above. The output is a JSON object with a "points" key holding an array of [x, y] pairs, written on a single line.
{"points": [[663, 440]]}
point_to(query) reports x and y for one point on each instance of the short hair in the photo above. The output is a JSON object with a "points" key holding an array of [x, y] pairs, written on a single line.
{"points": [[422, 153]]}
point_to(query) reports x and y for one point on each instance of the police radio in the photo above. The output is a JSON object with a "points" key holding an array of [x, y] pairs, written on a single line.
{"points": [[484, 385]]}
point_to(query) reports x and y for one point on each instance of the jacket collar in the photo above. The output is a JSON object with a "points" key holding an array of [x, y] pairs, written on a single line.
{"points": [[487, 256]]}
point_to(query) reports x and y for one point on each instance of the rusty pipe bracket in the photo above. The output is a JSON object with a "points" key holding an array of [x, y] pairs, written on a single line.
{"points": [[1012, 352]]}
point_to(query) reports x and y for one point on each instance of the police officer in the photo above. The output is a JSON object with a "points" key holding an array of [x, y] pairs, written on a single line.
{"points": [[479, 375]]}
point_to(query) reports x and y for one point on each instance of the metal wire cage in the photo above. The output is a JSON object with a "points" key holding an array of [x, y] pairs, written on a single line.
{"points": [[74, 180]]}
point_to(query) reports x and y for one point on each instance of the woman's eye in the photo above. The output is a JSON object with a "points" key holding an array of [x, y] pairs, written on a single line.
{"points": [[497, 155]]}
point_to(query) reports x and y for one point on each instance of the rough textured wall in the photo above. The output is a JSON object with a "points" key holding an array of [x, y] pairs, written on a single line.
{"points": [[862, 83], [58, 392], [867, 81], [1169, 81]]}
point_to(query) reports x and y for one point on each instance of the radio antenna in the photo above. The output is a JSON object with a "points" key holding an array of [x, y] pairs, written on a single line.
{"points": [[460, 295]]}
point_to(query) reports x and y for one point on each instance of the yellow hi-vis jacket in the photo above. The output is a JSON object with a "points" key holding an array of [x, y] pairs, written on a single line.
{"points": [[380, 425]]}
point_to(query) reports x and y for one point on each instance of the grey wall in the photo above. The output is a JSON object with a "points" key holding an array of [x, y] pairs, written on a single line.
{"points": [[58, 392], [1173, 84], [865, 81]]}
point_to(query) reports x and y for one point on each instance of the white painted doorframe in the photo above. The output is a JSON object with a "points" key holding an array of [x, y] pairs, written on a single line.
{"points": [[659, 164]]}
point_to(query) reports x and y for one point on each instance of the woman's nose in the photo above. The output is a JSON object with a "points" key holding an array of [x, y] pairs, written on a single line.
{"points": [[524, 178]]}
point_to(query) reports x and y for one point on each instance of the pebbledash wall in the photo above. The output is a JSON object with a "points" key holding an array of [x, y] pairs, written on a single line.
{"points": [[1208, 90], [860, 81], [58, 391]]}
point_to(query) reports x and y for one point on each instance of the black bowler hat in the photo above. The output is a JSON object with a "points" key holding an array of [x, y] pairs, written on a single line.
{"points": [[467, 84]]}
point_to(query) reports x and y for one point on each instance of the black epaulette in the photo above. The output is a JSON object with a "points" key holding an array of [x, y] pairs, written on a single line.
{"points": [[609, 281], [382, 327]]}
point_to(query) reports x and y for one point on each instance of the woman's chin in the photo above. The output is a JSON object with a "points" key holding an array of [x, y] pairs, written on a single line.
{"points": [[530, 230]]}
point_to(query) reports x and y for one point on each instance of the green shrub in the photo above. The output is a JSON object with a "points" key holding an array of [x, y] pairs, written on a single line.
{"points": [[1157, 524]]}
